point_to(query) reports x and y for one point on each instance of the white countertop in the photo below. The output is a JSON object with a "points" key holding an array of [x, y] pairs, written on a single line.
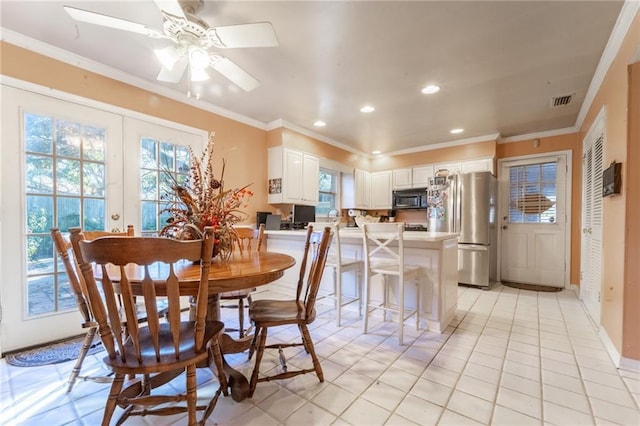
{"points": [[357, 233]]}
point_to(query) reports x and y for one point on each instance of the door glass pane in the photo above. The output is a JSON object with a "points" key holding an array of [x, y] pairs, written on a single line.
{"points": [[38, 133], [39, 174], [68, 139], [157, 178], [68, 212], [65, 187], [532, 193]]}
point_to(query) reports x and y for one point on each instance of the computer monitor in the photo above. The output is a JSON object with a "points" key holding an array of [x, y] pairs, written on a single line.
{"points": [[304, 214]]}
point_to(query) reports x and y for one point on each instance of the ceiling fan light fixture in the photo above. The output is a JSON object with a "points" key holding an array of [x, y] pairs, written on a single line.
{"points": [[198, 74], [198, 58], [167, 56]]}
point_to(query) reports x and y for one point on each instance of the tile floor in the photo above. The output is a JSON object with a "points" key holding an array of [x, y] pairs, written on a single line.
{"points": [[511, 357]]}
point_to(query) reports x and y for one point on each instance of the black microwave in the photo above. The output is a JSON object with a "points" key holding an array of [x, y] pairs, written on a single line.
{"points": [[410, 199]]}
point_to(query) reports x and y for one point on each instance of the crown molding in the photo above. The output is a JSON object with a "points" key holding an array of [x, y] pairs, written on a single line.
{"points": [[291, 126], [625, 19], [538, 135], [457, 142]]}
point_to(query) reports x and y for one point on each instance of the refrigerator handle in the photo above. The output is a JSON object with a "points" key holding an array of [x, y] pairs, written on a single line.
{"points": [[458, 205]]}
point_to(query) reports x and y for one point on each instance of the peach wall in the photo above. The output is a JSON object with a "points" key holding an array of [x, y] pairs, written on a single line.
{"points": [[235, 141], [568, 142], [613, 95]]}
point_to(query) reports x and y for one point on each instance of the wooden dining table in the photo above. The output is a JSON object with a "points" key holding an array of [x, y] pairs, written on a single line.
{"points": [[240, 271]]}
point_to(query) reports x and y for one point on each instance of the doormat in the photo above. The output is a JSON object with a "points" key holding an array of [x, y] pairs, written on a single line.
{"points": [[532, 287], [53, 353]]}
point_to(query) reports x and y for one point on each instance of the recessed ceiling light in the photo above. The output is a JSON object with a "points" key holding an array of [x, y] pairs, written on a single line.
{"points": [[430, 89], [367, 108], [376, 152], [319, 123], [456, 131]]}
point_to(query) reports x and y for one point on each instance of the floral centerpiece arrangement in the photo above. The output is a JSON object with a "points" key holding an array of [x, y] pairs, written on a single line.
{"points": [[203, 201]]}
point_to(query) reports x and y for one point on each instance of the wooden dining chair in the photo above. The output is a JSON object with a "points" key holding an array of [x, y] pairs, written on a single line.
{"points": [[301, 311], [245, 241], [384, 255], [160, 346], [65, 253]]}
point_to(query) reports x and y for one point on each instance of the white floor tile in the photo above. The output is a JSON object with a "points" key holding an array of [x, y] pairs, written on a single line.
{"points": [[418, 410], [559, 415], [471, 406], [310, 414], [503, 416], [576, 401], [431, 391], [363, 412], [520, 402], [334, 399], [477, 387]]}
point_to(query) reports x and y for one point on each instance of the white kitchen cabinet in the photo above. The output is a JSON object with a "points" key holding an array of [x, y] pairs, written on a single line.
{"points": [[293, 177], [477, 165], [356, 190], [420, 176], [402, 178], [381, 190], [452, 167]]}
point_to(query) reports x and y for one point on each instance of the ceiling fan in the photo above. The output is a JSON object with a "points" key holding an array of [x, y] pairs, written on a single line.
{"points": [[193, 41]]}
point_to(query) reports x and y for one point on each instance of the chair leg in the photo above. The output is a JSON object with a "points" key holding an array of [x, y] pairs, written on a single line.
{"points": [[86, 344], [254, 341], [308, 344], [112, 400], [191, 394], [241, 317], [401, 309], [365, 320], [337, 288], [262, 339], [359, 291]]}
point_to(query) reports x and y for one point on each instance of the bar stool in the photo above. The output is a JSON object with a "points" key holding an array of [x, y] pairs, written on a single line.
{"points": [[384, 255], [341, 264]]}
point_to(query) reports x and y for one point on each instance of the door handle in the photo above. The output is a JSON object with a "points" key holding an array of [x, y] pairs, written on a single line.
{"points": [[115, 216], [504, 226]]}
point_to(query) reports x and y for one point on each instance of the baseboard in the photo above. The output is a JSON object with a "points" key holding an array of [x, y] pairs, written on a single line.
{"points": [[629, 364], [610, 347]]}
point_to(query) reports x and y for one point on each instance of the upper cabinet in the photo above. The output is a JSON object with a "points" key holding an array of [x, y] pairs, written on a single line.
{"points": [[293, 177], [450, 168], [421, 176], [401, 178], [416, 177], [356, 190], [381, 190], [478, 165]]}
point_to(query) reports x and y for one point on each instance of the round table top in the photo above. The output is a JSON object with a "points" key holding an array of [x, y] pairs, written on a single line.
{"points": [[238, 272]]}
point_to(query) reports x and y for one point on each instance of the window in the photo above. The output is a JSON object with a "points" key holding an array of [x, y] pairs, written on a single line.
{"points": [[162, 165], [328, 192], [65, 187], [532, 193]]}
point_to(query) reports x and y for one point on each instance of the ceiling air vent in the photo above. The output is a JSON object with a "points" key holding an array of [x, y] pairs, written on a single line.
{"points": [[560, 101]]}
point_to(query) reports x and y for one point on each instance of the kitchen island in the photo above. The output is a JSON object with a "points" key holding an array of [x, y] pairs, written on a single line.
{"points": [[436, 253]]}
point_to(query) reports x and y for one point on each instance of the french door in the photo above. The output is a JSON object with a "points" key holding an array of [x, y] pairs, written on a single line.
{"points": [[64, 164], [534, 226]]}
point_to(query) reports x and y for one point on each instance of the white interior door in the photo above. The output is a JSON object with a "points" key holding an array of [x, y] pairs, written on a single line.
{"points": [[534, 221], [61, 166], [592, 215]]}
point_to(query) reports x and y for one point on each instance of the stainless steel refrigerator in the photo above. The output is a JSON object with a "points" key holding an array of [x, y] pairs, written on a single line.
{"points": [[466, 204]]}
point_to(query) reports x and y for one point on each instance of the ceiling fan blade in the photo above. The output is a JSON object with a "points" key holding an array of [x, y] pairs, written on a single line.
{"points": [[234, 73], [172, 7], [259, 34], [111, 22], [174, 74]]}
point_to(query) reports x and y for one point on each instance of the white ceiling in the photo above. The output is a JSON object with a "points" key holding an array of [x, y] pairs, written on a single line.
{"points": [[499, 63]]}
